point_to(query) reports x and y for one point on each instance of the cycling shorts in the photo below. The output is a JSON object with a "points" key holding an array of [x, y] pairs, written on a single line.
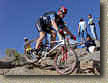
{"points": [[41, 27]]}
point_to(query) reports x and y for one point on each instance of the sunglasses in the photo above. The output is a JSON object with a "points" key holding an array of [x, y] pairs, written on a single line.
{"points": [[63, 13]]}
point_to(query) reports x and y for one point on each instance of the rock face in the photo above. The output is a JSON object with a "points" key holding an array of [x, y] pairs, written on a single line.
{"points": [[6, 65], [6, 62], [88, 65]]}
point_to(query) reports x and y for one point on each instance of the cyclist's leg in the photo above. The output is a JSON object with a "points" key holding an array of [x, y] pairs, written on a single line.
{"points": [[42, 35], [50, 35], [40, 29], [59, 36], [53, 37], [53, 34]]}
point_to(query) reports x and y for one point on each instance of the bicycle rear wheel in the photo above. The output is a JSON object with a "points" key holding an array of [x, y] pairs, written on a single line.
{"points": [[65, 60]]}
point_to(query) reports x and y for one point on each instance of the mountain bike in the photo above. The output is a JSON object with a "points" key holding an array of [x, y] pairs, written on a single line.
{"points": [[65, 59]]}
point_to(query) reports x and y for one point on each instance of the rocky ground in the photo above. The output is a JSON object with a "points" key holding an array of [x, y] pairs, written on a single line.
{"points": [[89, 65]]}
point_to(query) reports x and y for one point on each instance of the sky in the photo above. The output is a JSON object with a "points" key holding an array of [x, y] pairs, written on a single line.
{"points": [[17, 18]]}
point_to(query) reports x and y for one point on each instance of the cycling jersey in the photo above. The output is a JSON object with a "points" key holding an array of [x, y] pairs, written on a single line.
{"points": [[44, 22]]}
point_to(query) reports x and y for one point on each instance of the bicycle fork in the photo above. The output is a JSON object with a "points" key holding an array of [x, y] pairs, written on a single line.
{"points": [[65, 55], [65, 51]]}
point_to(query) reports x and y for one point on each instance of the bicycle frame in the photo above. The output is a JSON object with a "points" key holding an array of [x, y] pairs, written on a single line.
{"points": [[62, 42]]}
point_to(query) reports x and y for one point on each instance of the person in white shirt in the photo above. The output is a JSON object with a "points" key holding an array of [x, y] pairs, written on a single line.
{"points": [[82, 29], [92, 26]]}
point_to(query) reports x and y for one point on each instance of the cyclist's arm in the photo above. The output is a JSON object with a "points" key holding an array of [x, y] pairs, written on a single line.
{"points": [[66, 29], [68, 32], [54, 25]]}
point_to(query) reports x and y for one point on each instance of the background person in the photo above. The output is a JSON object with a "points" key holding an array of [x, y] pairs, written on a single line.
{"points": [[92, 26], [82, 29], [90, 44], [27, 45]]}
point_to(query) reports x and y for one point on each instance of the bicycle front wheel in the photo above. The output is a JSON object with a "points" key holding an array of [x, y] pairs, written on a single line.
{"points": [[65, 60]]}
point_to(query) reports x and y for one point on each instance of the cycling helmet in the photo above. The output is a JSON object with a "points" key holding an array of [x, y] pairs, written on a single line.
{"points": [[26, 39], [63, 10]]}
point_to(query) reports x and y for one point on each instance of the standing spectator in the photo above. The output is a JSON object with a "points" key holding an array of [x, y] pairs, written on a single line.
{"points": [[82, 28], [92, 26]]}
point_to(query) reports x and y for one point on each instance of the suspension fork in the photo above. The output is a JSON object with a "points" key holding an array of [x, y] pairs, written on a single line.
{"points": [[65, 50]]}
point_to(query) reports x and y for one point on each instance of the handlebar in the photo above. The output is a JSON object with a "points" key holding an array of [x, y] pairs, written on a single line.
{"points": [[62, 32]]}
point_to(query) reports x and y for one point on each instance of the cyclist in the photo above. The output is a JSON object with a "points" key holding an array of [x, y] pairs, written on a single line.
{"points": [[92, 26], [51, 22], [82, 28]]}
